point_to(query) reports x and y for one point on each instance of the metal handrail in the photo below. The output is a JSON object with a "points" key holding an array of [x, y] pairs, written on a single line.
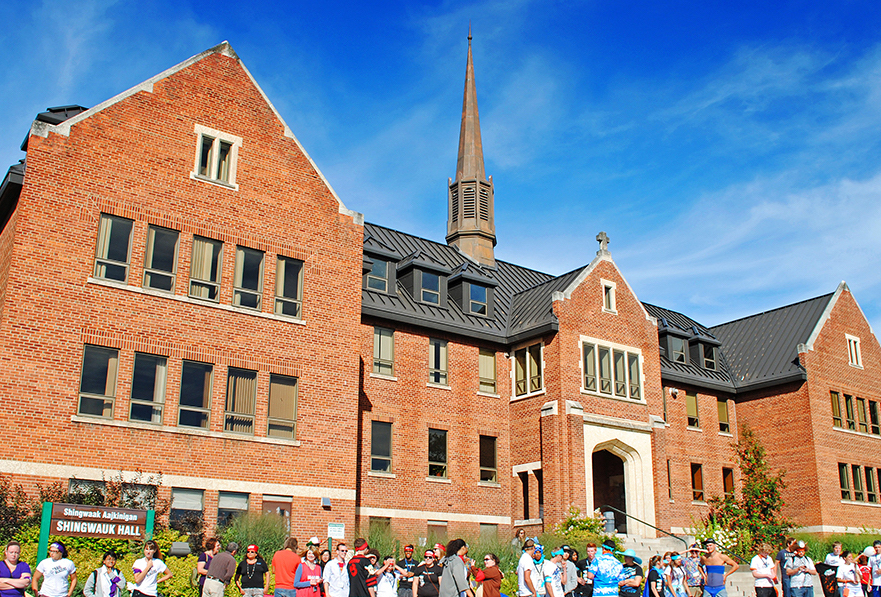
{"points": [[684, 542]]}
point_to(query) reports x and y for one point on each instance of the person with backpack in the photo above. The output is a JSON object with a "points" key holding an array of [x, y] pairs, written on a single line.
{"points": [[106, 581]]}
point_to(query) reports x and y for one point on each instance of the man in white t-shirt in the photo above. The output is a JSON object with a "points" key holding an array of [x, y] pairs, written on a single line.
{"points": [[875, 566], [764, 572], [527, 573], [552, 571], [835, 559]]}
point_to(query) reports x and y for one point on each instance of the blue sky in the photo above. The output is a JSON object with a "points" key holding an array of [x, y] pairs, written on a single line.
{"points": [[731, 151]]}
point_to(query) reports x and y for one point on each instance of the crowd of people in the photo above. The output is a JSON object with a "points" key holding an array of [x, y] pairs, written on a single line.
{"points": [[447, 571]]}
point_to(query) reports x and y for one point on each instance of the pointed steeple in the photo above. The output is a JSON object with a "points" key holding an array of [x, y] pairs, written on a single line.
{"points": [[471, 224]]}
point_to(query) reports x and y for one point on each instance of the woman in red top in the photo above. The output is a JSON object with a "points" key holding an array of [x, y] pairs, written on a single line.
{"points": [[491, 576], [308, 577]]}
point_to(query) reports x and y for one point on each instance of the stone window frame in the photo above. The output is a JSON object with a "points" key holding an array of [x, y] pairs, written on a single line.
{"points": [[632, 356], [854, 356], [204, 133], [610, 304]]}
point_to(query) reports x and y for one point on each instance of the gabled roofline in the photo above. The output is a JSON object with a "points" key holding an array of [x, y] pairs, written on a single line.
{"points": [[601, 256], [42, 129], [827, 313]]}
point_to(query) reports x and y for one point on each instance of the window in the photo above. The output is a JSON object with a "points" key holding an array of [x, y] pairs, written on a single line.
{"points": [[241, 399], [230, 504], [710, 357], [853, 351], [861, 415], [85, 491], [488, 471], [377, 279], [380, 524], [205, 268], [844, 481], [524, 488], [678, 348], [430, 288], [728, 481], [836, 409], [437, 453], [669, 482], [98, 381], [697, 483], [620, 374], [857, 483], [160, 262], [621, 366], [186, 509], [487, 366], [282, 417], [114, 248], [148, 388], [436, 530], [437, 361], [608, 296], [478, 299], [381, 446], [216, 154], [527, 370], [691, 410], [248, 291], [873, 417], [871, 485], [288, 287], [279, 505], [195, 394], [540, 489], [724, 425], [590, 367], [848, 406], [383, 351], [489, 532]]}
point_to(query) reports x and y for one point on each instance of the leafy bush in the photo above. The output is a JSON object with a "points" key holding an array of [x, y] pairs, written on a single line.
{"points": [[819, 546], [266, 531], [576, 528]]}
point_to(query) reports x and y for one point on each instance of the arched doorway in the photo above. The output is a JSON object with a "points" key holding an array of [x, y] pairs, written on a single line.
{"points": [[608, 485]]}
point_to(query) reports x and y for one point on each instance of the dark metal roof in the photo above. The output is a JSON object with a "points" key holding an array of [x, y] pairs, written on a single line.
{"points": [[682, 325], [10, 189], [534, 308], [507, 279], [55, 115], [763, 349]]}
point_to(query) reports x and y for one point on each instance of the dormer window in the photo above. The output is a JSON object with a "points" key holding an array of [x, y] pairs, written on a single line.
{"points": [[478, 299], [377, 278], [677, 349], [710, 357], [430, 288]]}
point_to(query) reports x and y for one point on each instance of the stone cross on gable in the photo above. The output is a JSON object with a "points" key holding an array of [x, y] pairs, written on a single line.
{"points": [[603, 239]]}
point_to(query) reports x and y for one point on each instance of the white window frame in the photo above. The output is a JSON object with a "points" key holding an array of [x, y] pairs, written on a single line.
{"points": [[513, 359], [854, 357], [217, 136], [609, 289], [612, 347]]}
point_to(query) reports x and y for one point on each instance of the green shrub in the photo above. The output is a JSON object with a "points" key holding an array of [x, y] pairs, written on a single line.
{"points": [[819, 546], [266, 531]]}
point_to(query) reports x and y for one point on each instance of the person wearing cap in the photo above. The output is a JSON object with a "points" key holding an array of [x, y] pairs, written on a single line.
{"points": [[715, 563], [408, 565], [764, 572], [252, 574], [631, 574], [427, 576], [552, 571], [782, 555], [694, 576], [799, 568], [875, 568], [221, 571], [527, 573], [334, 575], [361, 582], [606, 571]]}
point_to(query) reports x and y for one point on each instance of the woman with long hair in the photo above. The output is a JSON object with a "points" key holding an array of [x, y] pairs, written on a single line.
{"points": [[454, 582], [655, 577], [212, 546], [307, 579], [149, 571]]}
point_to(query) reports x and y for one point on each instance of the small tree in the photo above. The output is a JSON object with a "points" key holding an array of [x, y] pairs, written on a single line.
{"points": [[756, 516]]}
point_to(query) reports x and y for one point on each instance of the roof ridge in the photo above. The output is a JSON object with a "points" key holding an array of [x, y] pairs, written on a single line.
{"points": [[827, 295]]}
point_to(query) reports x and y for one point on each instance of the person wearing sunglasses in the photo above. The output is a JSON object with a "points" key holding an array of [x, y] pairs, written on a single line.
{"points": [[252, 574], [335, 577], [491, 576], [426, 577]]}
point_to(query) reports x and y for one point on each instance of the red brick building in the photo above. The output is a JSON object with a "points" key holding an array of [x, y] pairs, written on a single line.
{"points": [[181, 291]]}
